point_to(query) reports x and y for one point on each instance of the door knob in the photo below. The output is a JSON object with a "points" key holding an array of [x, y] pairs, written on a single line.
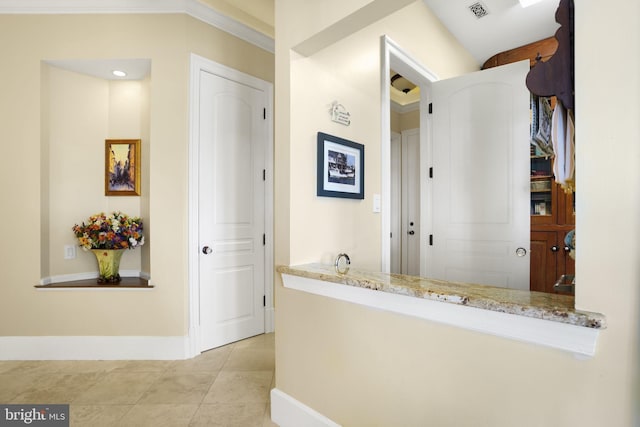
{"points": [[411, 232], [554, 248], [207, 250]]}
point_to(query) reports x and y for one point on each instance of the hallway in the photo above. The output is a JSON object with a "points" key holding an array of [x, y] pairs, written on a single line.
{"points": [[226, 386]]}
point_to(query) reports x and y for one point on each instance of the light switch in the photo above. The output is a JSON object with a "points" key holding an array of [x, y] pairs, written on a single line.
{"points": [[376, 203]]}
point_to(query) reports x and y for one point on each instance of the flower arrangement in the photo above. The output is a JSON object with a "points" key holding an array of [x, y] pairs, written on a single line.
{"points": [[114, 231]]}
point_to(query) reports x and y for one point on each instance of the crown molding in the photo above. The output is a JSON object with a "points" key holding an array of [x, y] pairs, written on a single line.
{"points": [[406, 108], [192, 8], [223, 22]]}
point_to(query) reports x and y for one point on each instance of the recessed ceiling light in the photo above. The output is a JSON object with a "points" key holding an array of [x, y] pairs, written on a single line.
{"points": [[119, 73]]}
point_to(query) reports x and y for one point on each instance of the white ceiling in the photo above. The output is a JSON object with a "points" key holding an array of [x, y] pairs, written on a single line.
{"points": [[507, 25], [136, 69]]}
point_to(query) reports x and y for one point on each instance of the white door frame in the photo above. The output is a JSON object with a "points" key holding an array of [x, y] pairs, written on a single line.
{"points": [[198, 64], [392, 56], [395, 208]]}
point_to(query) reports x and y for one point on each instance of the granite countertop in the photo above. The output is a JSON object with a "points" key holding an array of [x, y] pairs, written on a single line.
{"points": [[539, 305]]}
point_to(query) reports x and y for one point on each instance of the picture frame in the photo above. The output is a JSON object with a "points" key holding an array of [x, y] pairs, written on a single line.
{"points": [[122, 167], [340, 167]]}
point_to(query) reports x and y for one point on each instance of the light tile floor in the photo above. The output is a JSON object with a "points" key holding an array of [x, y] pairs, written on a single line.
{"points": [[227, 386]]}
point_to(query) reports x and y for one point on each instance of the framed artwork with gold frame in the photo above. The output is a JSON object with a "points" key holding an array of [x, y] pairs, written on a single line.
{"points": [[122, 167]]}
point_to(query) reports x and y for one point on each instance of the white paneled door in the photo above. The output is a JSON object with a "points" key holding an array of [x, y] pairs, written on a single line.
{"points": [[405, 202], [411, 202], [231, 210], [481, 178]]}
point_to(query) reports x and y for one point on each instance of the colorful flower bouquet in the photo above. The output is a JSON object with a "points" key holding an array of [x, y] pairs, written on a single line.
{"points": [[115, 231]]}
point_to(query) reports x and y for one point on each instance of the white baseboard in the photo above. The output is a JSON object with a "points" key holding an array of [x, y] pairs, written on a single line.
{"points": [[93, 348], [289, 412]]}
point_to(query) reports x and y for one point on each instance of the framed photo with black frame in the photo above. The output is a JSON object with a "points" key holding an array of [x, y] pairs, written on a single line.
{"points": [[340, 167]]}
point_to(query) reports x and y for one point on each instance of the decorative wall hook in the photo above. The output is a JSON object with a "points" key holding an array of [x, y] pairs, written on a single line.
{"points": [[339, 114]]}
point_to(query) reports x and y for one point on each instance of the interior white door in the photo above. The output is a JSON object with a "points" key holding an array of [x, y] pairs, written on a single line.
{"points": [[231, 206], [411, 202], [481, 178]]}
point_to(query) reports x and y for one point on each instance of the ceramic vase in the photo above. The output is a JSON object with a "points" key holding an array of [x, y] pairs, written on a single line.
{"points": [[108, 264]]}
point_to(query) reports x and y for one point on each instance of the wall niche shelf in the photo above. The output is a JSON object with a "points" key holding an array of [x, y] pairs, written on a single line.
{"points": [[108, 109], [125, 283]]}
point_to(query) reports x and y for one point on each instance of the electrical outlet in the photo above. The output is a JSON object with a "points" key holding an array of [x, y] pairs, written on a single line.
{"points": [[69, 252]]}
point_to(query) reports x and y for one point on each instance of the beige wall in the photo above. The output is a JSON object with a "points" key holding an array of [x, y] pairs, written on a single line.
{"points": [[349, 73], [404, 121], [410, 120], [29, 133], [395, 121], [363, 367]]}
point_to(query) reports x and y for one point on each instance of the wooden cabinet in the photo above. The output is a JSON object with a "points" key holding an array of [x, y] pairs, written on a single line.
{"points": [[552, 217], [543, 276], [544, 48], [543, 195], [550, 205], [552, 210], [549, 260]]}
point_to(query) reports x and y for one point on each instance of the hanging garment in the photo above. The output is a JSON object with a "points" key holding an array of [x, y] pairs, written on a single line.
{"points": [[570, 156], [563, 140], [541, 125], [534, 120], [557, 139]]}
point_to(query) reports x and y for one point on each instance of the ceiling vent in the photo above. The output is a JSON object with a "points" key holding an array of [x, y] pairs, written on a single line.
{"points": [[479, 10]]}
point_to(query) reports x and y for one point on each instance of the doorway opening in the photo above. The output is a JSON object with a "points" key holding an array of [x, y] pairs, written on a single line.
{"points": [[395, 250], [405, 193], [473, 174]]}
